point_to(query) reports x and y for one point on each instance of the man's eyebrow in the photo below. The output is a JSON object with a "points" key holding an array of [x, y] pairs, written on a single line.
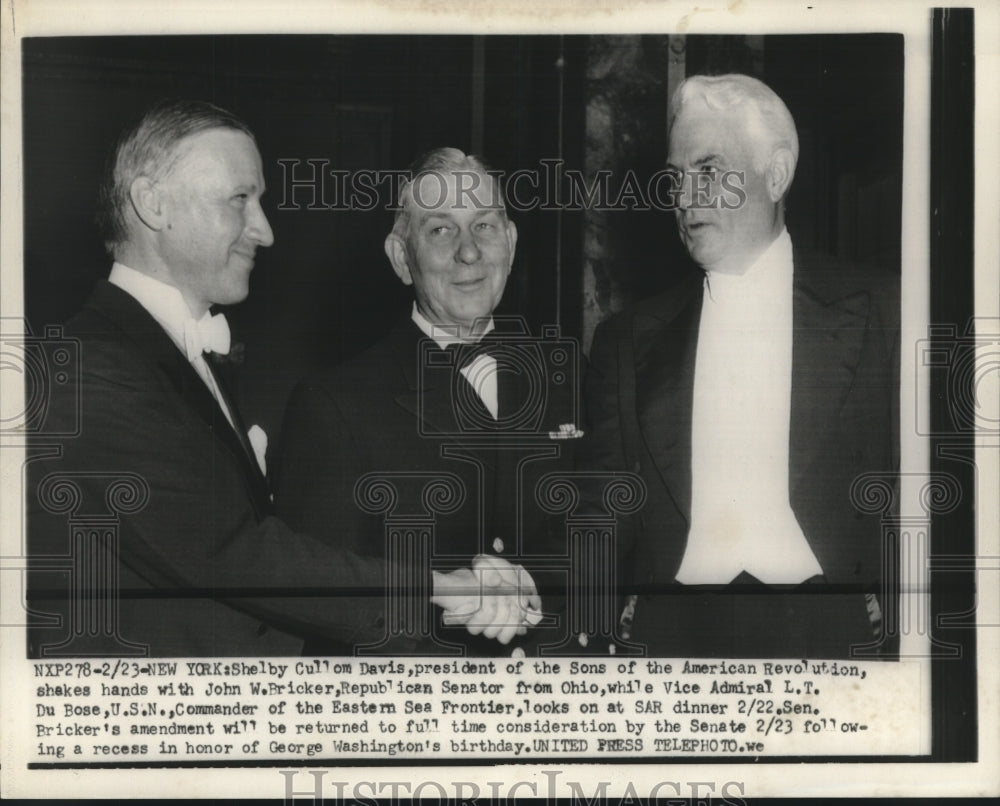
{"points": [[707, 159], [448, 215], [428, 215]]}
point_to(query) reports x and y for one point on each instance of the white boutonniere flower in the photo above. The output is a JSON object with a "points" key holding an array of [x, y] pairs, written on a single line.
{"points": [[258, 441]]}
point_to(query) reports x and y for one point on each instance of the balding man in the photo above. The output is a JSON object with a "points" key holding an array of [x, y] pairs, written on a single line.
{"points": [[449, 391], [200, 565], [749, 397]]}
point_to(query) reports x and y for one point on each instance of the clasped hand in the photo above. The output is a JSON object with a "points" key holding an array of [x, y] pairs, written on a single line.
{"points": [[494, 598]]}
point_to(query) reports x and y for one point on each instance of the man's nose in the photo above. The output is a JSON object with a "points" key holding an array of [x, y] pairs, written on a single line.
{"points": [[468, 249], [259, 229]]}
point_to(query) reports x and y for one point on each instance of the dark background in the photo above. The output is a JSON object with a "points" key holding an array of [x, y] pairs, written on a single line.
{"points": [[325, 289]]}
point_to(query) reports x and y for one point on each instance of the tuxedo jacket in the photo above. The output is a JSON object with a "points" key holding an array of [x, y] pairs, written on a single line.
{"points": [[844, 417], [401, 413], [202, 565]]}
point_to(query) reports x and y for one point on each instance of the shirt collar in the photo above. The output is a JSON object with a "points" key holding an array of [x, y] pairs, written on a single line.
{"points": [[162, 301], [443, 335], [771, 270]]}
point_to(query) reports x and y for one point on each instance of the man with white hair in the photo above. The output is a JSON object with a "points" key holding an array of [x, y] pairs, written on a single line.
{"points": [[749, 397]]}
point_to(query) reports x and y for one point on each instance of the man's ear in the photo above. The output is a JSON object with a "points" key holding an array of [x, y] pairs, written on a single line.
{"points": [[779, 174], [148, 202], [395, 250], [511, 241]]}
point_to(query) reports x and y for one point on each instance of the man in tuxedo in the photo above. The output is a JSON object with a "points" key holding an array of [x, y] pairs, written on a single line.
{"points": [[450, 392], [749, 397], [157, 494]]}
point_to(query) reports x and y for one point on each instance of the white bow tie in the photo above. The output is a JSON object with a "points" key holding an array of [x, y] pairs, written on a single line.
{"points": [[210, 334]]}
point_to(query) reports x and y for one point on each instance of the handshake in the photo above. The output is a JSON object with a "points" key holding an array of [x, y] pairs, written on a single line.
{"points": [[494, 598]]}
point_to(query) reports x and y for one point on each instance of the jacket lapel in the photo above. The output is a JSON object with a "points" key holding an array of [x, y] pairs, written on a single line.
{"points": [[246, 456], [665, 340], [429, 393], [121, 308], [828, 333]]}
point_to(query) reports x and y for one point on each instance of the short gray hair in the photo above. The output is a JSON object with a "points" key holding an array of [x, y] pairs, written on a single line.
{"points": [[149, 147], [768, 120], [439, 161]]}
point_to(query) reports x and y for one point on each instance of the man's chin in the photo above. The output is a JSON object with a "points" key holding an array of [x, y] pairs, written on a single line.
{"points": [[701, 253], [232, 297]]}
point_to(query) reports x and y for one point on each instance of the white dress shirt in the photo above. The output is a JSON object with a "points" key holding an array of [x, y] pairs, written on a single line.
{"points": [[481, 372], [741, 518], [166, 305]]}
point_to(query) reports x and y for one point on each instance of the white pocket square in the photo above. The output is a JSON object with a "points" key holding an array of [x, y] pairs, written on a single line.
{"points": [[566, 431], [258, 441]]}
